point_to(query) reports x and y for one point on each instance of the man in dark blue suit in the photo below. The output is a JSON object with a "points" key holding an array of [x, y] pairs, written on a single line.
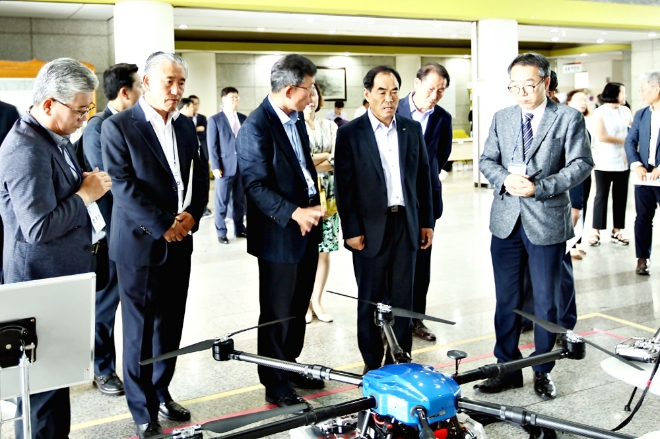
{"points": [[44, 201], [642, 149], [122, 87], [200, 122], [8, 115], [383, 191], [222, 132], [421, 105], [161, 188], [283, 210]]}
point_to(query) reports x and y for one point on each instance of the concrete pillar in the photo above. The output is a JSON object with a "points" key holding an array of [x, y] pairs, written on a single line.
{"points": [[202, 80], [494, 46], [141, 28], [407, 66]]}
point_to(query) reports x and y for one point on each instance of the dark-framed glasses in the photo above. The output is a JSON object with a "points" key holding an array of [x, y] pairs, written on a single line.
{"points": [[80, 113], [309, 89], [526, 89]]}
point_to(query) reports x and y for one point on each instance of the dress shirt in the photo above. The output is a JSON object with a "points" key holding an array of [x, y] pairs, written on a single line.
{"points": [[332, 116], [233, 121], [194, 119], [538, 115], [165, 134], [294, 139], [422, 118], [112, 109], [387, 140]]}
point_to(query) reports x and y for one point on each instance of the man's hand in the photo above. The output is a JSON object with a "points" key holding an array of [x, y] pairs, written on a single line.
{"points": [[519, 185], [175, 233], [94, 185], [186, 220], [427, 238], [307, 218], [200, 129], [357, 243], [655, 174], [217, 173], [641, 172]]}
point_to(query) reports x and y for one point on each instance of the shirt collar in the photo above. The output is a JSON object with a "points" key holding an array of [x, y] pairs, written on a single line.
{"points": [[652, 110], [538, 111], [150, 113], [112, 109], [413, 107], [230, 115], [60, 141], [284, 118], [375, 123]]}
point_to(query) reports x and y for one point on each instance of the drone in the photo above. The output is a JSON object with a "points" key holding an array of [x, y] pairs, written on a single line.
{"points": [[401, 400]]}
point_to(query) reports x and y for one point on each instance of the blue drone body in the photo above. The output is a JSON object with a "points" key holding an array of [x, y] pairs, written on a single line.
{"points": [[400, 388]]}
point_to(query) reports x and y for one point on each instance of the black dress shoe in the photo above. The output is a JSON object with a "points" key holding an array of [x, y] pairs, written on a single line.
{"points": [[303, 382], [150, 429], [223, 240], [287, 400], [643, 267], [420, 330], [241, 235], [174, 411], [544, 386], [109, 384], [498, 384], [207, 213]]}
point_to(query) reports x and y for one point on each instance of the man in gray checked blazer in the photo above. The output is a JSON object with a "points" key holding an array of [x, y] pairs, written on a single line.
{"points": [[535, 152]]}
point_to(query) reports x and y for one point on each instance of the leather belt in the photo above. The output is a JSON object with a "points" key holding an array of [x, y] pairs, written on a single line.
{"points": [[97, 245], [395, 209]]}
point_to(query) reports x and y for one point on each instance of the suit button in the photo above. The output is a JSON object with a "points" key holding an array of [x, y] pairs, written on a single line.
{"points": [[174, 188]]}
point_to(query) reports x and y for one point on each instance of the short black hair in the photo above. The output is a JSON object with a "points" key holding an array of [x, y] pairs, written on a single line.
{"points": [[118, 76], [368, 80], [339, 103], [184, 103], [193, 97], [225, 91], [554, 82], [532, 59], [433, 67], [610, 94], [365, 102], [290, 70]]}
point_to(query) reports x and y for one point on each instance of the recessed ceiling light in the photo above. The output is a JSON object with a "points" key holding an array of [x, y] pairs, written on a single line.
{"points": [[347, 54], [332, 31], [183, 26], [554, 30], [600, 41], [453, 36], [261, 29], [583, 54], [371, 23], [555, 39], [652, 34], [438, 26], [310, 20], [396, 33], [466, 56]]}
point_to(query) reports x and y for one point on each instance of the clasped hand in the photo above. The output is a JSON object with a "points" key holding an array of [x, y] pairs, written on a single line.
{"points": [[641, 173], [184, 222], [94, 185], [519, 185]]}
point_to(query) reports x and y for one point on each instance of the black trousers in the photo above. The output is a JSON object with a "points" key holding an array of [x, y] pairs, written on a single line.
{"points": [[422, 279], [646, 202], [153, 306], [229, 190], [385, 278], [50, 415], [284, 291], [619, 183]]}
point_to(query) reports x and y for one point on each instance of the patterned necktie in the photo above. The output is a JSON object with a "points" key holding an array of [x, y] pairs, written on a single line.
{"points": [[528, 134], [234, 125]]}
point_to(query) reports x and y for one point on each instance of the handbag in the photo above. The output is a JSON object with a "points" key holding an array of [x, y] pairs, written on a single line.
{"points": [[330, 204]]}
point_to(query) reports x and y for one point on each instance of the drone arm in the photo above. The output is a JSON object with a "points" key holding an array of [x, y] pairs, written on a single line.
{"points": [[398, 354], [425, 431], [524, 417], [311, 417]]}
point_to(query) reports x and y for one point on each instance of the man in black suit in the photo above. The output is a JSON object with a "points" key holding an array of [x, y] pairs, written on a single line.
{"points": [[283, 210], [222, 132], [161, 188], [384, 201], [122, 87], [200, 127], [421, 105], [8, 115], [44, 200]]}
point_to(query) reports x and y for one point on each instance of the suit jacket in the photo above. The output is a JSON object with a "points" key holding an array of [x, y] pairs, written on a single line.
{"points": [[438, 138], [638, 141], [360, 183], [560, 149], [275, 186], [222, 143], [48, 232], [144, 189], [8, 116], [91, 148]]}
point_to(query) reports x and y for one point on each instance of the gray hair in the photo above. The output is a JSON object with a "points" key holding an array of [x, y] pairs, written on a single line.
{"points": [[290, 70], [62, 79], [532, 59], [158, 57], [652, 77]]}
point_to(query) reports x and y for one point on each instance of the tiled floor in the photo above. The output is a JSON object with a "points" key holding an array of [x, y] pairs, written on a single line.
{"points": [[223, 298]]}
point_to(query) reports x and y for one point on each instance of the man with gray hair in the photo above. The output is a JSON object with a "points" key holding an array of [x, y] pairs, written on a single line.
{"points": [[161, 188], [283, 211], [535, 152], [46, 203], [643, 152]]}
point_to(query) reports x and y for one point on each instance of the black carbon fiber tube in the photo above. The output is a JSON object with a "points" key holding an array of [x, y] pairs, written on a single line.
{"points": [[498, 369]]}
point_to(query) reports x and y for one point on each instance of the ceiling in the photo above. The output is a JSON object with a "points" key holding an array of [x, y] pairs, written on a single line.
{"points": [[230, 25]]}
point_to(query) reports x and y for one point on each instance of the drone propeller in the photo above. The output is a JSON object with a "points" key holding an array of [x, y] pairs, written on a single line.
{"points": [[556, 329], [401, 312], [203, 345]]}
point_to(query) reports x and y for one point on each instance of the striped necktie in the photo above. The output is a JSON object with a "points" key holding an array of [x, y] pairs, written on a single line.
{"points": [[528, 134]]}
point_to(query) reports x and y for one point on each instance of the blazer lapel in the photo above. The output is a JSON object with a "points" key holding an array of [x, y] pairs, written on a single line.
{"points": [[181, 142], [147, 132], [402, 135], [282, 140], [371, 147], [548, 119]]}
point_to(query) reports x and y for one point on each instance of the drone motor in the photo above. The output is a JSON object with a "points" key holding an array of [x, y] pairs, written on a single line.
{"points": [[638, 349]]}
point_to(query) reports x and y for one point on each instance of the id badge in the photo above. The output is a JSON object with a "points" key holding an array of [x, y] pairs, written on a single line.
{"points": [[98, 223], [517, 168]]}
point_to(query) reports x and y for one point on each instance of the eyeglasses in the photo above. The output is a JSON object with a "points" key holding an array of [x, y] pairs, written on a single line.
{"points": [[527, 89], [309, 89], [80, 113], [644, 90]]}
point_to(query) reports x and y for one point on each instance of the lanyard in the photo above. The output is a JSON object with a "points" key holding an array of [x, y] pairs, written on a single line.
{"points": [[516, 143], [72, 162]]}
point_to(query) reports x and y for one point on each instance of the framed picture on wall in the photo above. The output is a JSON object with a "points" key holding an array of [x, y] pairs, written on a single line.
{"points": [[332, 82]]}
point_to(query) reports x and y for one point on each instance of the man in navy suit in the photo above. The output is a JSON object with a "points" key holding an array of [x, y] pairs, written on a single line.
{"points": [[160, 190], [283, 210], [8, 115], [222, 132], [421, 105], [44, 201], [383, 191], [642, 149], [200, 122], [122, 87]]}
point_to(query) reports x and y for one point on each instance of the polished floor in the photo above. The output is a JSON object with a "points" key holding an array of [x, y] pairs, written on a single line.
{"points": [[223, 297]]}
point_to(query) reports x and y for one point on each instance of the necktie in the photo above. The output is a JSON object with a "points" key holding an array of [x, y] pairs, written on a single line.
{"points": [[291, 132], [528, 134], [234, 125], [67, 149]]}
